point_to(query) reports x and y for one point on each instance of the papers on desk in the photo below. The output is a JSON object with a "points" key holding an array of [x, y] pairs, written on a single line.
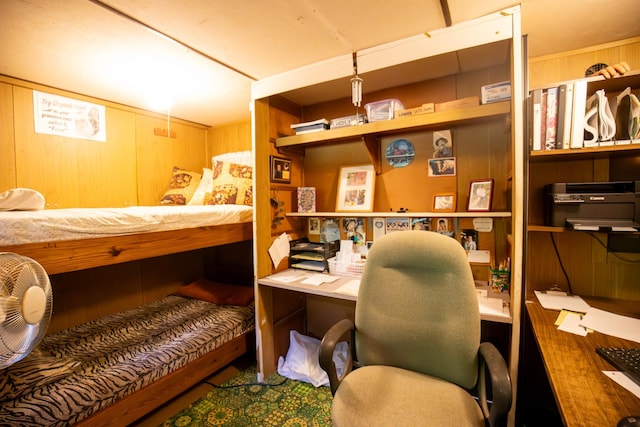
{"points": [[318, 279], [624, 327], [624, 381], [561, 301], [350, 288]]}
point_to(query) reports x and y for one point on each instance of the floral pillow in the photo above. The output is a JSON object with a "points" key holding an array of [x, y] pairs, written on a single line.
{"points": [[232, 184], [181, 187], [206, 184]]}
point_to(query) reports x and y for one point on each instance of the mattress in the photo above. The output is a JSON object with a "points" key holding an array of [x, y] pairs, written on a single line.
{"points": [[20, 227], [76, 372]]}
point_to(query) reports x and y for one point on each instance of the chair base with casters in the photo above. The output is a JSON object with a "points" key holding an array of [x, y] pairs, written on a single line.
{"points": [[388, 390]]}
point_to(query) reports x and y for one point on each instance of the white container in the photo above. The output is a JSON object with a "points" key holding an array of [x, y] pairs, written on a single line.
{"points": [[382, 110]]}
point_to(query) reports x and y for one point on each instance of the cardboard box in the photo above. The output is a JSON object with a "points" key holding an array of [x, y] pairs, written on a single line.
{"points": [[341, 122], [496, 92], [423, 109], [471, 101]]}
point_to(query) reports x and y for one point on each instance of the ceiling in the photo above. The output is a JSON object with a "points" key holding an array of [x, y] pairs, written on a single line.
{"points": [[203, 55]]}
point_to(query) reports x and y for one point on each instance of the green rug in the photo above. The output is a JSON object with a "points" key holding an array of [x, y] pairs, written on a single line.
{"points": [[283, 402]]}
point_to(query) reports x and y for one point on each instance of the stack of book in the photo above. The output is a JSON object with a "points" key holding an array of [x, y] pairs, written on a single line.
{"points": [[558, 116], [308, 127]]}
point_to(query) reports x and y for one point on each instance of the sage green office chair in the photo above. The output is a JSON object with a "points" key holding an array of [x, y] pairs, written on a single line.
{"points": [[416, 340]]}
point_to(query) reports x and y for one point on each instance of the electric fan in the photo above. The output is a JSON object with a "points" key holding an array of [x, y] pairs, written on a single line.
{"points": [[25, 306]]}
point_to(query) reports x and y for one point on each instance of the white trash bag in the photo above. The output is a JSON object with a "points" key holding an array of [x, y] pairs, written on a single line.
{"points": [[301, 362]]}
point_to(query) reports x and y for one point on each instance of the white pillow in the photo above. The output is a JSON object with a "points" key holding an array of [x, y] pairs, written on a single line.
{"points": [[238, 157], [205, 186], [21, 199]]}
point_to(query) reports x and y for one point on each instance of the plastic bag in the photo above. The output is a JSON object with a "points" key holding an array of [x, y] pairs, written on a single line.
{"points": [[301, 362]]}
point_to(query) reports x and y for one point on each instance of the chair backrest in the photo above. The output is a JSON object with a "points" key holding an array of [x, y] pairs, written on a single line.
{"points": [[417, 307]]}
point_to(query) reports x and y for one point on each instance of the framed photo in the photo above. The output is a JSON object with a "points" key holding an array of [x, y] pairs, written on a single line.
{"points": [[442, 166], [355, 189], [480, 195], [280, 169], [444, 202], [444, 226]]}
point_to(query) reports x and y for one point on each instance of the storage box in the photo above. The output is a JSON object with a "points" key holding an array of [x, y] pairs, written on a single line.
{"points": [[423, 109], [496, 92], [382, 110], [471, 101], [346, 268], [341, 122]]}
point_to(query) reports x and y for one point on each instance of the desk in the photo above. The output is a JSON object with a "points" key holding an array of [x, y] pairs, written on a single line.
{"points": [[329, 290], [584, 395], [313, 309]]}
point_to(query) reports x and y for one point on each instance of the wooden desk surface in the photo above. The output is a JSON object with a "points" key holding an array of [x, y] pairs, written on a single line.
{"points": [[585, 396]]}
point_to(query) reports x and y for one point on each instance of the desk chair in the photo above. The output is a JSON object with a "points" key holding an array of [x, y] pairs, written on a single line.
{"points": [[416, 339]]}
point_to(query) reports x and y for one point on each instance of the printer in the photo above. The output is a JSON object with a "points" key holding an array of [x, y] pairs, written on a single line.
{"points": [[593, 206]]}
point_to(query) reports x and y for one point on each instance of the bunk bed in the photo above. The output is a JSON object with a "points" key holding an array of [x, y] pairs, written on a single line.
{"points": [[116, 369], [64, 240]]}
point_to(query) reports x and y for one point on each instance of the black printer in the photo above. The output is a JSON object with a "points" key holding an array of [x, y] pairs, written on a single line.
{"points": [[595, 206]]}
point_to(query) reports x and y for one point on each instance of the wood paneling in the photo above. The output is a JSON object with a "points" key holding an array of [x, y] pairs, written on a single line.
{"points": [[228, 138], [157, 155], [7, 159], [573, 64], [73, 172]]}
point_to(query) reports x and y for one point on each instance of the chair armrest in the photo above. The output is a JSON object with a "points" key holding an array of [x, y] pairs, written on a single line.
{"points": [[501, 390], [335, 334]]}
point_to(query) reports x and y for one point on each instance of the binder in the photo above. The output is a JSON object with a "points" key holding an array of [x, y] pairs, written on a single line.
{"points": [[565, 103], [579, 111], [536, 117]]}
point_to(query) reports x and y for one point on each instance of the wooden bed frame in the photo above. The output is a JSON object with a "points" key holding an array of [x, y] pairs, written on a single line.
{"points": [[73, 255], [140, 403]]}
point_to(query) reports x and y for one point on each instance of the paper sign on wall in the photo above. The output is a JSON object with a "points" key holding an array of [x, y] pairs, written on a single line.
{"points": [[57, 115]]}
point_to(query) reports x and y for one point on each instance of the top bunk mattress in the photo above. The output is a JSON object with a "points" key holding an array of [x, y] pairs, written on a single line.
{"points": [[21, 227]]}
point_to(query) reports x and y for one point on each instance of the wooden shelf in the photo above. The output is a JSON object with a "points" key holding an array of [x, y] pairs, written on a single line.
{"points": [[437, 119], [552, 155], [402, 215]]}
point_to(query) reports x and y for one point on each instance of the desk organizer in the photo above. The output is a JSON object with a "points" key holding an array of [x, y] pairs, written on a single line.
{"points": [[345, 268]]}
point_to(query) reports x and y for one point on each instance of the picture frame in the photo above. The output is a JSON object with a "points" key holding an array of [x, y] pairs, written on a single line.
{"points": [[442, 166], [444, 202], [480, 195], [280, 169], [355, 189]]}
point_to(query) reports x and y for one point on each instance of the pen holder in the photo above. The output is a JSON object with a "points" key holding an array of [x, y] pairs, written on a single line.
{"points": [[500, 280]]}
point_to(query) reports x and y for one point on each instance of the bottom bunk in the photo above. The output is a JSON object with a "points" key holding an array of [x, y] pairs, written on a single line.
{"points": [[115, 369]]}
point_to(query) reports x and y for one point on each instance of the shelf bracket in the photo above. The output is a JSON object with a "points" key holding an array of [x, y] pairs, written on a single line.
{"points": [[373, 148]]}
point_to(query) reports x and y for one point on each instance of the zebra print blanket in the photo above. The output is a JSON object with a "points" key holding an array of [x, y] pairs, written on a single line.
{"points": [[76, 372]]}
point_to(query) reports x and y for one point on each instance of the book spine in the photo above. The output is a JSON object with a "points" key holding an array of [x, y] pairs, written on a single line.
{"points": [[543, 120], [536, 124], [552, 118], [579, 111]]}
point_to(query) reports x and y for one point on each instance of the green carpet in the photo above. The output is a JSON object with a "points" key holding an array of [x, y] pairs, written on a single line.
{"points": [[290, 403]]}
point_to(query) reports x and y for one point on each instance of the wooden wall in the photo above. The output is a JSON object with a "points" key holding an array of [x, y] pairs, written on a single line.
{"points": [[570, 65], [133, 167]]}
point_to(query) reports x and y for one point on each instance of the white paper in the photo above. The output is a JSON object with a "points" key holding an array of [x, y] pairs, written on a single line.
{"points": [[624, 327], [279, 249], [479, 256], [350, 288], [492, 306], [319, 279], [571, 324], [288, 276], [553, 301], [624, 381]]}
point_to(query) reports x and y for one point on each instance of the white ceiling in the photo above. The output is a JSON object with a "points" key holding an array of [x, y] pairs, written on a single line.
{"points": [[204, 54]]}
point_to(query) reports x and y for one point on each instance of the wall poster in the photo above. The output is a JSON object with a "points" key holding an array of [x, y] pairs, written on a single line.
{"points": [[57, 115]]}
